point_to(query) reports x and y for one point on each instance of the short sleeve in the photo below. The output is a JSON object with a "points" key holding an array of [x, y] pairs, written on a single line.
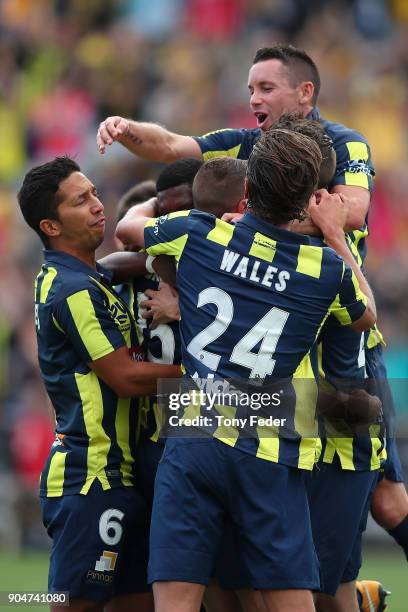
{"points": [[350, 302], [85, 319], [221, 143], [167, 235], [354, 164]]}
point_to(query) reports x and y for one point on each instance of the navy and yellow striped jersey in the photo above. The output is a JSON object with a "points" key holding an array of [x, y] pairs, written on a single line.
{"points": [[79, 319], [252, 300], [342, 363], [353, 167], [161, 345]]}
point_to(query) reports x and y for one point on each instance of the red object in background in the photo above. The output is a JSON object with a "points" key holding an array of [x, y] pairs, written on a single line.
{"points": [[60, 123], [381, 219], [214, 19], [30, 443]]}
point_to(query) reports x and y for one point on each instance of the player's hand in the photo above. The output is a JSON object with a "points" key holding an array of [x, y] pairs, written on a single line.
{"points": [[111, 129], [161, 306], [231, 217], [329, 212]]}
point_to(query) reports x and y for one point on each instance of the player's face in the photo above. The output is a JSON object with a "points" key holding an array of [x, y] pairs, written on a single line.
{"points": [[175, 198], [80, 213], [271, 92]]}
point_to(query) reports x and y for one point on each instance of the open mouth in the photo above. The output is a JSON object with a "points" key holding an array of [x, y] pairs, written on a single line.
{"points": [[260, 118]]}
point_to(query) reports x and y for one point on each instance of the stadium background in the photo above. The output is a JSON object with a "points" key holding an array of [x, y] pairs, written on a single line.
{"points": [[67, 64]]}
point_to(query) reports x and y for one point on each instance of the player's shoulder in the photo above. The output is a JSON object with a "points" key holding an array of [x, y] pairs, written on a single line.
{"points": [[235, 142], [340, 133], [62, 277]]}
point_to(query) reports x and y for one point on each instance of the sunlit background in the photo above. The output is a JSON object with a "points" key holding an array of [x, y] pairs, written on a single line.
{"points": [[67, 64]]}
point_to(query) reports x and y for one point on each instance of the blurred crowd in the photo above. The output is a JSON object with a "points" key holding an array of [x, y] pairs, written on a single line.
{"points": [[67, 64]]}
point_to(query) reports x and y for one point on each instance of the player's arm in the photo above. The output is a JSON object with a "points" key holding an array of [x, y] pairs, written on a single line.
{"points": [[130, 229], [86, 321], [353, 179], [124, 265], [148, 140], [357, 203], [128, 378], [329, 215]]}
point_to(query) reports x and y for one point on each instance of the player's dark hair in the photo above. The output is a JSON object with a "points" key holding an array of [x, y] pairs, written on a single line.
{"points": [[283, 171], [315, 130], [135, 195], [299, 65], [219, 185], [39, 195], [178, 172]]}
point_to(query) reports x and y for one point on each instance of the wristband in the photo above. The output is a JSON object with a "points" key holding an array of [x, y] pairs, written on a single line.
{"points": [[150, 259]]}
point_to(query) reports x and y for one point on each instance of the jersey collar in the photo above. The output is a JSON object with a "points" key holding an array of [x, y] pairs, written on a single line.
{"points": [[278, 234], [73, 263], [314, 114]]}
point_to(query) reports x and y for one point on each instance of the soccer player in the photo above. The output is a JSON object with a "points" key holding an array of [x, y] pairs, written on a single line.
{"points": [[91, 365], [281, 79], [252, 298]]}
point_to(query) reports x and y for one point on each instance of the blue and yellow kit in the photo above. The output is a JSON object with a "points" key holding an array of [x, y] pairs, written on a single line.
{"points": [[79, 319], [252, 300], [353, 166]]}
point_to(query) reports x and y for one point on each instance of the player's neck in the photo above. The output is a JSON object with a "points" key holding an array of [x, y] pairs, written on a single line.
{"points": [[86, 256]]}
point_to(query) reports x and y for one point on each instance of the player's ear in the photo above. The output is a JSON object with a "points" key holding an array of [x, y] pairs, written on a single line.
{"points": [[306, 91], [241, 206], [50, 227]]}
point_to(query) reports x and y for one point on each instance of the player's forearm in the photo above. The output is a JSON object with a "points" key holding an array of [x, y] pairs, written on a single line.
{"points": [[356, 214], [150, 141], [339, 244], [142, 380], [357, 203], [130, 229], [124, 265]]}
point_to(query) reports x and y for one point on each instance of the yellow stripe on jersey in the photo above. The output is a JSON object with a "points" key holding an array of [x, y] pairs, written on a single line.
{"points": [[344, 449], [222, 233], [47, 284], [233, 152], [174, 247], [89, 328], [357, 150], [339, 312], [376, 443], [268, 443], [122, 438], [57, 325], [99, 442], [178, 213], [353, 246], [55, 478], [375, 337], [360, 296], [263, 247], [226, 433], [310, 260], [305, 386]]}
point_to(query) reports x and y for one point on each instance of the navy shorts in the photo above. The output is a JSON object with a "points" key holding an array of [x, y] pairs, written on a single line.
{"points": [[99, 543], [148, 455], [339, 504], [376, 370], [203, 485]]}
